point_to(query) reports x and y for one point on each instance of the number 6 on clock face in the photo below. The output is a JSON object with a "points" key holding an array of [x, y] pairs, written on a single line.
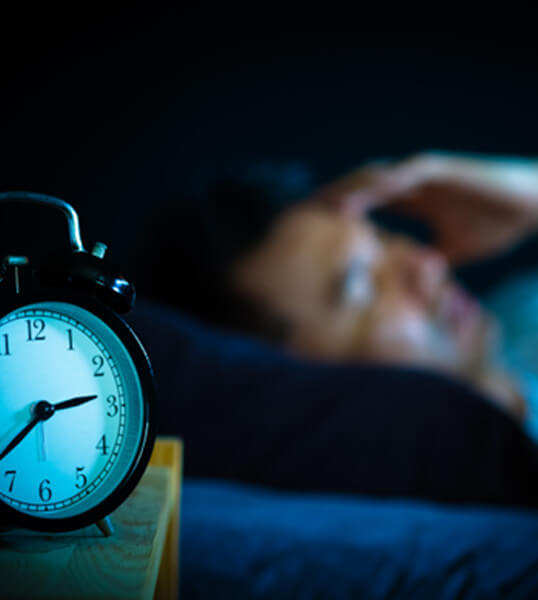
{"points": [[75, 397]]}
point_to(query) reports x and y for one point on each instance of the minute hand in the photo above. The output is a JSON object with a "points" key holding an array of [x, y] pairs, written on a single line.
{"points": [[73, 402], [20, 436]]}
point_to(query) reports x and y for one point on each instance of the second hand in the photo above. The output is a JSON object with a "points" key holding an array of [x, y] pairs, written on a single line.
{"points": [[42, 447]]}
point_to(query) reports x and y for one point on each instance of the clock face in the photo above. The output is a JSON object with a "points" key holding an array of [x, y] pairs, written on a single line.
{"points": [[72, 414]]}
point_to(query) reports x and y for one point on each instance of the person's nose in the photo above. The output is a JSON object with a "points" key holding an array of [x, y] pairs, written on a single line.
{"points": [[423, 269]]}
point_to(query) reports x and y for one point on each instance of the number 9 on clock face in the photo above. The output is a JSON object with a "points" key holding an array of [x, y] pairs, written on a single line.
{"points": [[74, 413]]}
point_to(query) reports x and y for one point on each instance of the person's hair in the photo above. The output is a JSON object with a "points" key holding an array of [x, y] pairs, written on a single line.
{"points": [[210, 227]]}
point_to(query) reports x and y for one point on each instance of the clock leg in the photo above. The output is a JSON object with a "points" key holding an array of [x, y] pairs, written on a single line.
{"points": [[105, 526]]}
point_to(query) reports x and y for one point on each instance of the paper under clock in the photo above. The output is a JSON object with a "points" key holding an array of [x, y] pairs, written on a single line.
{"points": [[76, 388]]}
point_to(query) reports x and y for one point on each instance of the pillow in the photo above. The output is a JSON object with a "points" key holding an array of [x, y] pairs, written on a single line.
{"points": [[249, 412]]}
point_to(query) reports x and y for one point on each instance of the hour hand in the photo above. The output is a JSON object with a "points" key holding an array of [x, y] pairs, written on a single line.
{"points": [[72, 402]]}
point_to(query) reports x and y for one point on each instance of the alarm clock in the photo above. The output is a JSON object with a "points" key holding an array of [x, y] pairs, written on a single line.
{"points": [[77, 390]]}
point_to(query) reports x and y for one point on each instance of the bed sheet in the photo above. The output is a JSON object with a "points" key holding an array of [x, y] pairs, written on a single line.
{"points": [[242, 541]]}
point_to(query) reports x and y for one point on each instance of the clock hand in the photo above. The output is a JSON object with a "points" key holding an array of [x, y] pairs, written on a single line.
{"points": [[41, 434], [20, 436], [42, 411], [72, 402]]}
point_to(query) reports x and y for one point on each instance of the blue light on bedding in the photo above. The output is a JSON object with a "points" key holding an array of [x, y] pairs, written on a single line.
{"points": [[515, 304], [246, 542]]}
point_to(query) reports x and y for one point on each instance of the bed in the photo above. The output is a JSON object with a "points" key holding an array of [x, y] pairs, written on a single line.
{"points": [[306, 480], [249, 542]]}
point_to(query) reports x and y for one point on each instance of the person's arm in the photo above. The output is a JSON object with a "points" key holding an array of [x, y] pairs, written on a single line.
{"points": [[476, 206]]}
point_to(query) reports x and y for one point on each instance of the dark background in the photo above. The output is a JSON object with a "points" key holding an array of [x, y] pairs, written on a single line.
{"points": [[131, 116]]}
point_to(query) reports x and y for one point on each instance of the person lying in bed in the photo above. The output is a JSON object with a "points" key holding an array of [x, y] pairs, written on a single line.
{"points": [[342, 289], [351, 295]]}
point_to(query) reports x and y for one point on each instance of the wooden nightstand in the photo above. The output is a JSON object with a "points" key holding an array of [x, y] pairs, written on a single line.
{"points": [[141, 559]]}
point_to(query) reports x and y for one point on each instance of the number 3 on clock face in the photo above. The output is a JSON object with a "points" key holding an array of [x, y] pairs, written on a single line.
{"points": [[74, 413]]}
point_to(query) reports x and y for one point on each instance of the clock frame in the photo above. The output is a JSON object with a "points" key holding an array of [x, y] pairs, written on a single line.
{"points": [[10, 515]]}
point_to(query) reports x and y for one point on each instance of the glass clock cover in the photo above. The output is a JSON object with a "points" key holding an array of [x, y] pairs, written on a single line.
{"points": [[71, 410]]}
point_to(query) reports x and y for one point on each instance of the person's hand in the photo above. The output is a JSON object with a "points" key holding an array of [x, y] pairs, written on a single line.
{"points": [[475, 206]]}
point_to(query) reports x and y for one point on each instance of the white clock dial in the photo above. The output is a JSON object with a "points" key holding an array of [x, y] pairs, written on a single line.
{"points": [[66, 464]]}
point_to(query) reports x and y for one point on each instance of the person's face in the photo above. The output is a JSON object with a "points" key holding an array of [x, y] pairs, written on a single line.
{"points": [[349, 291]]}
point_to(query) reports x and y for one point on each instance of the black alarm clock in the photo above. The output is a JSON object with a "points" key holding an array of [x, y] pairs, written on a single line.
{"points": [[76, 388]]}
